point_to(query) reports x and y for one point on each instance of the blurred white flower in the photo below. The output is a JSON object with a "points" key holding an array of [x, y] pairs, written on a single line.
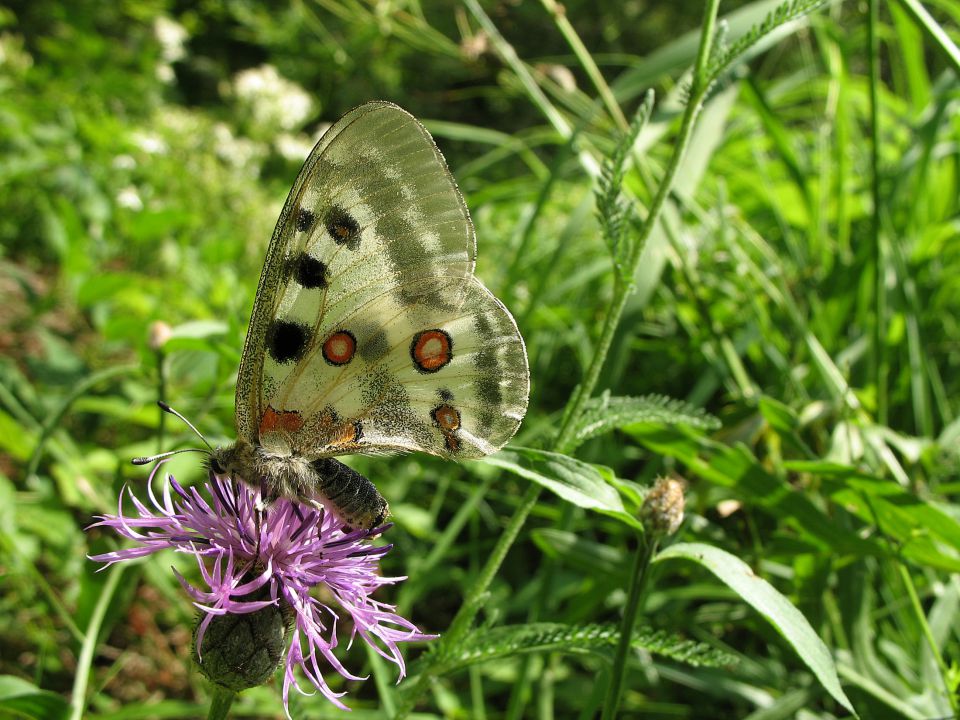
{"points": [[150, 143], [129, 198], [235, 151], [171, 35], [272, 102], [124, 162], [293, 147], [560, 74], [13, 54]]}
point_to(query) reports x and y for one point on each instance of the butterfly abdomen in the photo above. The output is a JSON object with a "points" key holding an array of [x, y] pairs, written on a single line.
{"points": [[349, 494]]}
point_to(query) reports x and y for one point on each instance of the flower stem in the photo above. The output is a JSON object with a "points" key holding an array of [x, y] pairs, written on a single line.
{"points": [[471, 605], [559, 15], [881, 369], [78, 696], [162, 396], [638, 579], [220, 703]]}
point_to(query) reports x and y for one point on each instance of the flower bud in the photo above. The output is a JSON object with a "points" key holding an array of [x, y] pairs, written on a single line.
{"points": [[158, 334], [243, 650], [662, 509]]}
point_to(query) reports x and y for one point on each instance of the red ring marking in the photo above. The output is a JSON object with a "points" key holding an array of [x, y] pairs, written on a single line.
{"points": [[431, 350], [339, 348], [284, 421], [446, 417]]}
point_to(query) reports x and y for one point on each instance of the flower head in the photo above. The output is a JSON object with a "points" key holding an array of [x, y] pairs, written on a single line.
{"points": [[662, 509], [252, 559]]}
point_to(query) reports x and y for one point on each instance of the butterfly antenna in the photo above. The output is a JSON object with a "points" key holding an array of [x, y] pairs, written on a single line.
{"points": [[167, 408], [161, 456]]}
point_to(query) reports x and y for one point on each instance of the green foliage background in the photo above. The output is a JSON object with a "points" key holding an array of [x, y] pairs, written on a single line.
{"points": [[146, 147]]}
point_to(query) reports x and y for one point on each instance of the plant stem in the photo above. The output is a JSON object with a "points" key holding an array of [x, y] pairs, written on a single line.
{"points": [[638, 579], [78, 695], [932, 28], [559, 15], [162, 396], [471, 606], [220, 703], [928, 636], [881, 369]]}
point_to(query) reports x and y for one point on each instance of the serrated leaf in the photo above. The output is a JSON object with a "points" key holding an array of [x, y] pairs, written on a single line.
{"points": [[772, 28], [573, 480], [605, 413], [485, 644], [615, 213], [766, 600]]}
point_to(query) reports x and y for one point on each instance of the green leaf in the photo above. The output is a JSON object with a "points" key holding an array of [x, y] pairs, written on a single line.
{"points": [[575, 481], [485, 644], [923, 531], [14, 438], [581, 554], [195, 335], [772, 28], [25, 698], [605, 413], [781, 417], [766, 600]]}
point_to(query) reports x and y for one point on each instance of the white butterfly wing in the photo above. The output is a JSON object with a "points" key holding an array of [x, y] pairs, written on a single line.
{"points": [[369, 332]]}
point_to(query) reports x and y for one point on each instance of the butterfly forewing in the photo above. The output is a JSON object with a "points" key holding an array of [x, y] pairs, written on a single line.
{"points": [[369, 332]]}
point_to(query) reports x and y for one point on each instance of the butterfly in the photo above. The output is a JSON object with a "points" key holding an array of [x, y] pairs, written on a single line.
{"points": [[369, 332]]}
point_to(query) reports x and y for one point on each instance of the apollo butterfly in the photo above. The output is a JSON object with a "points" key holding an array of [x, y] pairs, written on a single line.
{"points": [[369, 332]]}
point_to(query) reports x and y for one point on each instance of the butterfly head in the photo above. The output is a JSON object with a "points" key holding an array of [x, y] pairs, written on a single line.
{"points": [[238, 461]]}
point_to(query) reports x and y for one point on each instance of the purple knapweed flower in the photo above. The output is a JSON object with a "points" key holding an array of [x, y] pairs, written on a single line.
{"points": [[299, 548]]}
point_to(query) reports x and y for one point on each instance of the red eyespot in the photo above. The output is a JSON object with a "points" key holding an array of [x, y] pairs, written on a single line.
{"points": [[339, 348], [431, 350], [446, 417]]}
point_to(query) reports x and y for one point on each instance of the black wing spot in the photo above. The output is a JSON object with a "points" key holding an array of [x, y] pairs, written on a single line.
{"points": [[375, 346], [305, 219], [309, 272], [343, 227], [287, 341]]}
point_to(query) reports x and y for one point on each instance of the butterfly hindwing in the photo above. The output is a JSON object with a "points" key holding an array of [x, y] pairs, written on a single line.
{"points": [[369, 332]]}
